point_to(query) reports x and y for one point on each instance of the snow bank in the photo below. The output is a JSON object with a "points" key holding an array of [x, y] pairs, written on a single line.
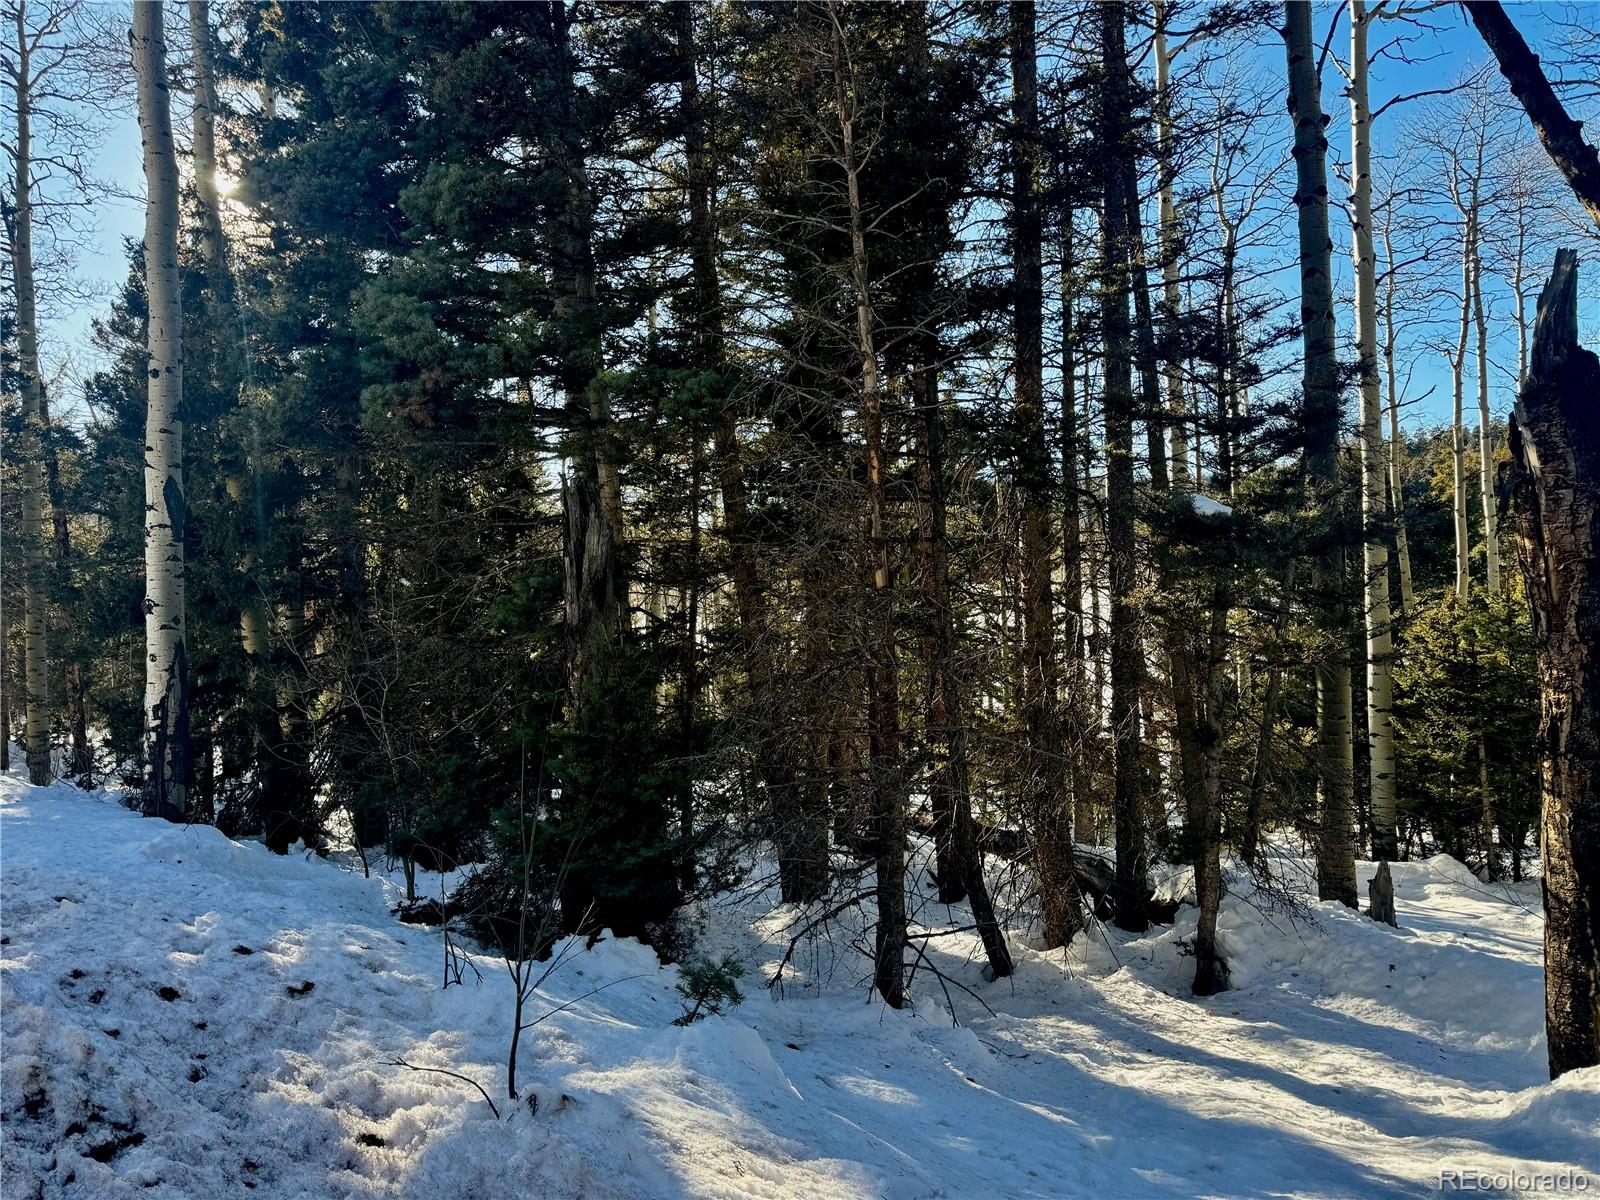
{"points": [[187, 1016]]}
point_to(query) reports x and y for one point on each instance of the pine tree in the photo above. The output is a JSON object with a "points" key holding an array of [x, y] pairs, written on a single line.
{"points": [[1336, 850]]}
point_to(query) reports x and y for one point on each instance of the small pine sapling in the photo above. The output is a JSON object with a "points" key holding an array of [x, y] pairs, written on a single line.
{"points": [[710, 985]]}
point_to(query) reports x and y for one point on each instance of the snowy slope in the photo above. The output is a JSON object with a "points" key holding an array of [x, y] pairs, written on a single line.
{"points": [[160, 1040]]}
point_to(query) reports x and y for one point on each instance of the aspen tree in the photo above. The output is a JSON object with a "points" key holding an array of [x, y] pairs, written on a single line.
{"points": [[1458, 459], [31, 441], [1397, 447], [1486, 492], [1465, 194], [1374, 475], [166, 696]]}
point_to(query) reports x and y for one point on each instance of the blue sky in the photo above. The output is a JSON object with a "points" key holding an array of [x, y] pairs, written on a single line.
{"points": [[1441, 56]]}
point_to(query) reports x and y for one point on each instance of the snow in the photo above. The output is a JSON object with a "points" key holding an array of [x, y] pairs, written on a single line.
{"points": [[1206, 506], [1350, 1058]]}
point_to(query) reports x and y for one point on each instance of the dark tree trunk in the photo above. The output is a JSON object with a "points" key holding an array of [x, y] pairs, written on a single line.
{"points": [[595, 584], [959, 859], [1203, 809], [1127, 663], [5, 703], [933, 566], [800, 831], [1554, 479], [1380, 896], [1336, 871], [689, 678], [1045, 776], [1561, 135], [886, 769], [79, 764], [1261, 765], [1145, 340], [287, 798], [1078, 741]]}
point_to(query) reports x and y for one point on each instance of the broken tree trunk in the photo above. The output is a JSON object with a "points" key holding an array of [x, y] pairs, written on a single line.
{"points": [[1561, 135], [1380, 896], [1554, 479]]}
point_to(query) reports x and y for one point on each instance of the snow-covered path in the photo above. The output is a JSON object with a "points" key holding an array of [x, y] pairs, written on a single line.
{"points": [[185, 1016]]}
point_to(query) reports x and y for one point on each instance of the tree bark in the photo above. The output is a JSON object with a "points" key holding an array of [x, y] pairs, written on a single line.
{"points": [[1486, 817], [1554, 479], [1127, 662], [1171, 236], [960, 860], [886, 769], [166, 696], [1397, 447], [1380, 895], [212, 246], [79, 761], [1562, 136], [1144, 341], [1080, 740], [1203, 813], [1045, 776], [1261, 765], [5, 699], [1491, 533], [1336, 874], [1458, 464], [1467, 205], [595, 584], [31, 437], [1374, 462], [933, 570], [799, 829]]}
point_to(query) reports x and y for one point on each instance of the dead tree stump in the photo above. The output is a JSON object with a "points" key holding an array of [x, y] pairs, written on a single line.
{"points": [[1380, 896], [1554, 481]]}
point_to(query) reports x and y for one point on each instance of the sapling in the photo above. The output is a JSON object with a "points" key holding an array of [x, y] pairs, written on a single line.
{"points": [[710, 985]]}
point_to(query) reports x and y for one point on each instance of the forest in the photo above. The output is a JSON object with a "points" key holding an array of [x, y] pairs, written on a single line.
{"points": [[968, 486]]}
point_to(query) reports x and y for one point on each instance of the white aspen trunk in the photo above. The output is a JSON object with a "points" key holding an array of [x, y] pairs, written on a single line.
{"points": [[1519, 287], [166, 686], [1169, 236], [35, 638], [1397, 446], [1374, 482], [1491, 533], [1458, 366]]}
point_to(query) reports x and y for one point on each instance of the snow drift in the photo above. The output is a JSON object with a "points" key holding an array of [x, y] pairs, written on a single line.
{"points": [[186, 1016]]}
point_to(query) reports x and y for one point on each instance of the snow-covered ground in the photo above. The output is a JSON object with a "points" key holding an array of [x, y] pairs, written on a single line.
{"points": [[186, 1016]]}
